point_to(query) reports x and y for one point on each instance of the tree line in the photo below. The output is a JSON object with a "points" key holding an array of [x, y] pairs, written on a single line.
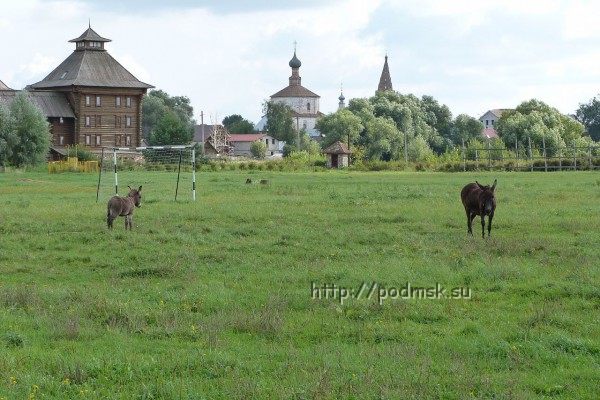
{"points": [[387, 126]]}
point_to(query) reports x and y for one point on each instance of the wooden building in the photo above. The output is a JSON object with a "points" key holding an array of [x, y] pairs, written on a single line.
{"points": [[105, 98], [338, 155]]}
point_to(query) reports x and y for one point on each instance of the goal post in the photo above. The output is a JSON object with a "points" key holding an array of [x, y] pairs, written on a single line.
{"points": [[172, 167]]}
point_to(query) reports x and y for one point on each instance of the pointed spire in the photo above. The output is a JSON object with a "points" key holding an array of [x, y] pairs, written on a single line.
{"points": [[385, 82]]}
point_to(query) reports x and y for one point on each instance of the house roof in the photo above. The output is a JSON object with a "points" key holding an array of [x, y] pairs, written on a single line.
{"points": [[497, 112], [208, 131], [52, 104], [90, 68], [3, 86], [490, 133], [295, 91], [337, 148], [246, 137]]}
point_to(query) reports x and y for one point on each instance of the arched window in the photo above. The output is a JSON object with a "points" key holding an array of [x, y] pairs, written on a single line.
{"points": [[308, 106]]}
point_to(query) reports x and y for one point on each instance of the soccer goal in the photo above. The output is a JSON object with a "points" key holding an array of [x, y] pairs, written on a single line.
{"points": [[164, 171]]}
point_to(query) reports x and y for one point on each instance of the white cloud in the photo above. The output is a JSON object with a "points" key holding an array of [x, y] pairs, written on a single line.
{"points": [[470, 55]]}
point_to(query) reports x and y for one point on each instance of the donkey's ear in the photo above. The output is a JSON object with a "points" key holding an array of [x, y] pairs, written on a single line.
{"points": [[129, 187], [480, 185], [140, 189], [494, 185]]}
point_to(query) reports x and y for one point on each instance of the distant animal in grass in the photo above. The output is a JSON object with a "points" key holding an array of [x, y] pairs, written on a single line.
{"points": [[264, 181], [123, 206], [479, 200], [248, 181]]}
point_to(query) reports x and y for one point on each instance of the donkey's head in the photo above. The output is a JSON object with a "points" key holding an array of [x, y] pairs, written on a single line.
{"points": [[136, 195], [487, 199]]}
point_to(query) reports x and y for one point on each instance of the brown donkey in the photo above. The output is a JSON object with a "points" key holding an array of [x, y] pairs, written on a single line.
{"points": [[479, 200], [123, 206]]}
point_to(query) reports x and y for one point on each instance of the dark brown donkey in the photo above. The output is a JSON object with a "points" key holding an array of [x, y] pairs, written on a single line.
{"points": [[479, 200], [123, 206]]}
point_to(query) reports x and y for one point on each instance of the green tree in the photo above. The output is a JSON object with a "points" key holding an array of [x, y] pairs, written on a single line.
{"points": [[153, 111], [536, 121], [8, 136], [340, 125], [384, 140], [280, 122], [258, 149], [437, 116], [32, 132], [465, 128], [156, 105], [589, 115], [237, 124], [171, 130]]}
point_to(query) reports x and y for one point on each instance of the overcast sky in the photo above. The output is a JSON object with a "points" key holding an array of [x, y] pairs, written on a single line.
{"points": [[228, 57]]}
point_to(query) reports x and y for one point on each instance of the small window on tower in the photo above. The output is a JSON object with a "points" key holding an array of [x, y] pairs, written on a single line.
{"points": [[308, 106]]}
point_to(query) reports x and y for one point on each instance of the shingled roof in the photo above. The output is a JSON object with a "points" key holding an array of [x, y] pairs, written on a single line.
{"points": [[52, 104], [338, 148], [87, 68], [90, 66], [3, 86]]}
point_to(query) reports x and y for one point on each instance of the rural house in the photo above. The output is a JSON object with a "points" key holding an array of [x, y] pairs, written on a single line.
{"points": [[489, 120], [241, 143]]}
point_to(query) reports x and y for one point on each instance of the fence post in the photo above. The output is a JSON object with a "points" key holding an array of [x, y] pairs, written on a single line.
{"points": [[464, 154], [590, 153], [476, 158], [559, 157], [517, 152], [489, 156], [530, 153], [545, 158], [574, 156]]}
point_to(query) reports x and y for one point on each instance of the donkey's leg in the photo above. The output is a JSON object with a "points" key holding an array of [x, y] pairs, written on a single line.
{"points": [[473, 215], [469, 219], [490, 224], [482, 225], [109, 220]]}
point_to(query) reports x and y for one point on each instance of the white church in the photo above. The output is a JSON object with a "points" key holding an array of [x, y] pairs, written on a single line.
{"points": [[303, 102]]}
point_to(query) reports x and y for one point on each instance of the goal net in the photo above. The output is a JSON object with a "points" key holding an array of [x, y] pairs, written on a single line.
{"points": [[165, 172]]}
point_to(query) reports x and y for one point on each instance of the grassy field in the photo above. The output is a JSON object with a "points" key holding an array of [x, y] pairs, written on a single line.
{"points": [[219, 298]]}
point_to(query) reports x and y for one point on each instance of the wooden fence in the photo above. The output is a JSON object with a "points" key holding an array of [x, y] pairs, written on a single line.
{"points": [[531, 158]]}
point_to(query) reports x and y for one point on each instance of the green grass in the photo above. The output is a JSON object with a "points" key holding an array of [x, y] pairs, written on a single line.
{"points": [[212, 299]]}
